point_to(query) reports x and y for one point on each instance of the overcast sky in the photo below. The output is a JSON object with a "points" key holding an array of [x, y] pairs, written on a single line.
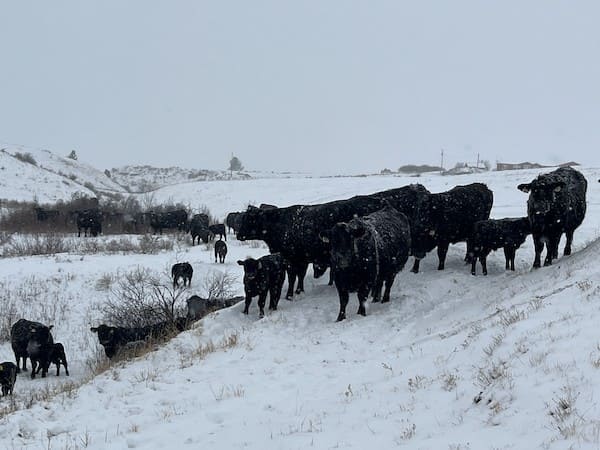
{"points": [[317, 86]]}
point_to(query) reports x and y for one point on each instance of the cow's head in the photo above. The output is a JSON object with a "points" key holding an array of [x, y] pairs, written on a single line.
{"points": [[41, 334], [252, 268], [252, 224], [341, 239], [543, 192], [107, 337]]}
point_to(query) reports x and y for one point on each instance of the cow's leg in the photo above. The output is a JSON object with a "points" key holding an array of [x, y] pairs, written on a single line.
{"points": [[551, 245], [474, 265], [274, 297], [78, 232], [363, 294], [33, 367], [247, 303], [415, 267], [262, 298], [483, 260], [377, 290], [539, 247], [569, 236], [343, 294], [506, 250], [291, 272], [302, 268], [330, 283], [442, 250], [389, 281]]}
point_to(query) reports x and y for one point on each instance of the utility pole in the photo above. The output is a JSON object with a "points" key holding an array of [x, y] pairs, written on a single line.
{"points": [[477, 160], [442, 163]]}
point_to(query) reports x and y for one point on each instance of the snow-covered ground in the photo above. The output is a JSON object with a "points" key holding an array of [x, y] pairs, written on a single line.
{"points": [[510, 360]]}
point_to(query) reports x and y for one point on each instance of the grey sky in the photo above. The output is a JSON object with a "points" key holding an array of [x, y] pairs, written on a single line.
{"points": [[322, 85]]}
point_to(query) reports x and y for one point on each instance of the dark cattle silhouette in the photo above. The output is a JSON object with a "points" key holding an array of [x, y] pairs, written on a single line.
{"points": [[261, 277], [184, 271], [89, 220], [218, 228], [26, 336], [8, 376], [492, 234], [556, 205], [220, 251], [367, 252], [198, 307], [232, 221], [447, 218], [176, 219], [294, 231], [58, 357], [199, 228], [113, 339]]}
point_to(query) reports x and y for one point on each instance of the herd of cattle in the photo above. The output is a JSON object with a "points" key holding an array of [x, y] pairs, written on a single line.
{"points": [[364, 241]]}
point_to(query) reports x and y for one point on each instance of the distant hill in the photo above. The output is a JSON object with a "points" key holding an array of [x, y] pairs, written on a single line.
{"points": [[33, 174], [147, 178]]}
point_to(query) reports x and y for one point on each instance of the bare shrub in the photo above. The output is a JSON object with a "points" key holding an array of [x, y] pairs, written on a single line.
{"points": [[153, 244], [25, 157], [218, 285], [141, 297], [34, 299], [37, 244]]}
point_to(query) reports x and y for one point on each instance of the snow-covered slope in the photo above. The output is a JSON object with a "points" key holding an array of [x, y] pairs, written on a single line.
{"points": [[510, 360], [22, 180], [148, 178]]}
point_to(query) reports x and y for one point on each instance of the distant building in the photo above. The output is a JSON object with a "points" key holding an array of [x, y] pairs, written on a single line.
{"points": [[529, 165], [519, 166]]}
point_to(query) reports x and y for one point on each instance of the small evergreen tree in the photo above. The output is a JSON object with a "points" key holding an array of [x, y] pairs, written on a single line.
{"points": [[72, 155]]}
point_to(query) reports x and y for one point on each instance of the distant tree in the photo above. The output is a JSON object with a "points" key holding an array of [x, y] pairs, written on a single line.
{"points": [[107, 173], [235, 164], [72, 155], [487, 164]]}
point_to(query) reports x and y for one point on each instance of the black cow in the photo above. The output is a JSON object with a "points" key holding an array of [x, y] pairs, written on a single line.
{"points": [[8, 376], [217, 228], [556, 205], [27, 336], [58, 357], [169, 220], [492, 234], [220, 251], [262, 276], [89, 220], [114, 339], [198, 307], [293, 231], [367, 252], [447, 218], [199, 228], [232, 221], [182, 270]]}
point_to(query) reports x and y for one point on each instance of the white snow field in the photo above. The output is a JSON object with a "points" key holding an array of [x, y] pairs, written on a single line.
{"points": [[507, 361]]}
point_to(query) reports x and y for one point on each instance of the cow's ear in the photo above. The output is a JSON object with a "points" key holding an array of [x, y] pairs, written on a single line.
{"points": [[558, 186], [324, 236], [240, 262], [32, 329], [524, 187], [94, 330], [260, 266], [356, 229], [50, 327]]}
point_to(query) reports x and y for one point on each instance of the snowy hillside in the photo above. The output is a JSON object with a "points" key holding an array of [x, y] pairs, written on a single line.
{"points": [[50, 177], [507, 361], [148, 178]]}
